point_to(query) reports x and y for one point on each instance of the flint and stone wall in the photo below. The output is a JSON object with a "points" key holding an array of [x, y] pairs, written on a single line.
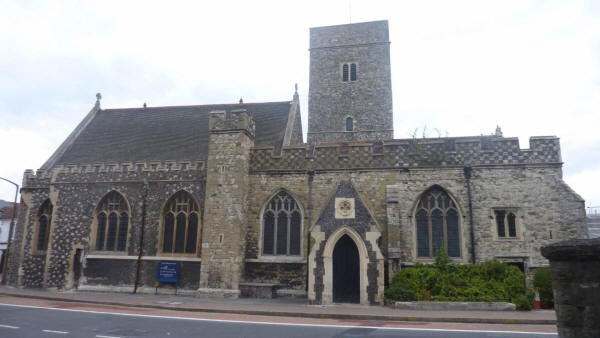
{"points": [[75, 192]]}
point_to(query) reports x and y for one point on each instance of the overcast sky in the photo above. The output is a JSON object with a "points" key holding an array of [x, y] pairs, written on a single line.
{"points": [[463, 67]]}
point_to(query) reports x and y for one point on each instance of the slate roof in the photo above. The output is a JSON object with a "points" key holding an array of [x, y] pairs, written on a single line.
{"points": [[166, 133]]}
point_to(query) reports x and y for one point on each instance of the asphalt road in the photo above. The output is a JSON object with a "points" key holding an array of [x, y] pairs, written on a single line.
{"points": [[31, 321]]}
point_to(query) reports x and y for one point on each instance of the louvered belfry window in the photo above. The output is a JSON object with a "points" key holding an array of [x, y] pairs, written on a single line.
{"points": [[181, 224], [44, 222], [112, 216], [282, 226], [437, 224]]}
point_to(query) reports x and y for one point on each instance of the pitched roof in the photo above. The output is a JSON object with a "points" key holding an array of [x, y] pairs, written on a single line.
{"points": [[165, 133]]}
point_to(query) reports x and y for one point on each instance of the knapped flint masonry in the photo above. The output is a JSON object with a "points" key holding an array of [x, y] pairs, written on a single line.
{"points": [[241, 202]]}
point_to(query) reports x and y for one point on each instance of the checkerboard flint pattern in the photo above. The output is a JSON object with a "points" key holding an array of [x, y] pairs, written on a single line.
{"points": [[410, 153]]}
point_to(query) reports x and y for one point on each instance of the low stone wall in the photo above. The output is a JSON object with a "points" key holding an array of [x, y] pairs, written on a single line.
{"points": [[455, 306], [575, 268]]}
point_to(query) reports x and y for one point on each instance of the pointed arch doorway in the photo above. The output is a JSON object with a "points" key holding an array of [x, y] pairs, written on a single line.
{"points": [[346, 271]]}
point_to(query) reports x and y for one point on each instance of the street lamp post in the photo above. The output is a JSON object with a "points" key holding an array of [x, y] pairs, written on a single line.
{"points": [[10, 229]]}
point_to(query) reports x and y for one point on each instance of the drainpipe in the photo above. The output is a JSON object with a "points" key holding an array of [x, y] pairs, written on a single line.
{"points": [[141, 243], [311, 176], [467, 173]]}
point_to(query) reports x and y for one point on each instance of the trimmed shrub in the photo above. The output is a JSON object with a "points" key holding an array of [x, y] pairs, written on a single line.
{"points": [[542, 279], [486, 282]]}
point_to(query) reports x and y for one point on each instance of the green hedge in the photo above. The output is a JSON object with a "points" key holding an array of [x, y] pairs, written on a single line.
{"points": [[486, 282], [543, 281]]}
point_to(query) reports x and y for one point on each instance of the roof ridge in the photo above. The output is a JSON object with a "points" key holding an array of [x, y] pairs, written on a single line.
{"points": [[201, 105]]}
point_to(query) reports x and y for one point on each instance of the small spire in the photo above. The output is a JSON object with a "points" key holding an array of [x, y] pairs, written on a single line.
{"points": [[498, 131], [145, 105], [241, 101], [98, 98]]}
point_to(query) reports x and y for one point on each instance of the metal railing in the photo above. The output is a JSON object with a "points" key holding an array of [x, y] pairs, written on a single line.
{"points": [[592, 211]]}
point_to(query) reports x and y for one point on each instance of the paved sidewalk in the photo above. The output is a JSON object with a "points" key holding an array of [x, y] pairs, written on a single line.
{"points": [[284, 307]]}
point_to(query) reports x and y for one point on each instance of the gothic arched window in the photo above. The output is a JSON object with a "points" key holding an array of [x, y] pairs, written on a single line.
{"points": [[44, 222], [112, 223], [181, 224], [282, 226], [349, 124], [437, 224]]}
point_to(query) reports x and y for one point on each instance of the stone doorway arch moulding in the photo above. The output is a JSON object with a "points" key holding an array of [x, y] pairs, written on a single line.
{"points": [[327, 255]]}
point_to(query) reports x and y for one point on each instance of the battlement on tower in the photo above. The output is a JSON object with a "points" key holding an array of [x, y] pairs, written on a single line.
{"points": [[410, 153], [235, 120]]}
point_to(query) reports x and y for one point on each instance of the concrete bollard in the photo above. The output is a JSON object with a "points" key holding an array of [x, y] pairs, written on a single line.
{"points": [[575, 266]]}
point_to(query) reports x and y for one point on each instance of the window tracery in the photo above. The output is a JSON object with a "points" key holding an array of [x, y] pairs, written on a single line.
{"points": [[437, 224], [282, 226], [181, 224], [112, 223]]}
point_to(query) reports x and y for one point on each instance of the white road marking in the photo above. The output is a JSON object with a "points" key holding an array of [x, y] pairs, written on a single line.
{"points": [[53, 331], [100, 336], [271, 323], [9, 326]]}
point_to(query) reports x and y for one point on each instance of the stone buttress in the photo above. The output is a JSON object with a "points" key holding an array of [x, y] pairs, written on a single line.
{"points": [[224, 233]]}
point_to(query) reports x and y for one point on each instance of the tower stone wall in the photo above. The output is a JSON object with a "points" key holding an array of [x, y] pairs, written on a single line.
{"points": [[224, 233], [367, 100]]}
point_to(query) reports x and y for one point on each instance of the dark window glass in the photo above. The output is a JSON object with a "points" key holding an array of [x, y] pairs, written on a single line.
{"points": [[295, 233], [282, 226], [437, 230], [512, 225], [437, 224], [101, 231], [269, 231], [168, 233], [282, 232], [44, 222], [180, 232], [349, 124], [422, 234], [353, 72], [190, 245], [42, 244], [500, 222], [345, 72], [453, 235], [123, 226], [111, 232], [111, 235]]}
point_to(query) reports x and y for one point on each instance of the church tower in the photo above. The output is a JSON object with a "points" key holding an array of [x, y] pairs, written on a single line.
{"points": [[350, 94]]}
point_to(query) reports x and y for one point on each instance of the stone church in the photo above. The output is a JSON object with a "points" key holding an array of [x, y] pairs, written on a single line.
{"points": [[233, 194]]}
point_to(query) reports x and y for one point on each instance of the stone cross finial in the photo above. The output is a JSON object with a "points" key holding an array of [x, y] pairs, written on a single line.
{"points": [[145, 105], [296, 87], [498, 131], [98, 97], [241, 101]]}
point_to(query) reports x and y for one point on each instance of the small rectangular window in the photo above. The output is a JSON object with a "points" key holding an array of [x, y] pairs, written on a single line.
{"points": [[506, 223], [353, 72], [345, 72]]}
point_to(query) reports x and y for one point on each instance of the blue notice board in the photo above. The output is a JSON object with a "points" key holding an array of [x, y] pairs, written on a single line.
{"points": [[168, 272]]}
